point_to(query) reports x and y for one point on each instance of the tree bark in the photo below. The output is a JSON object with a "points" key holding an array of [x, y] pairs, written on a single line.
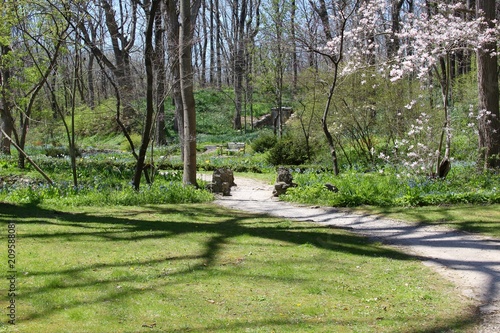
{"points": [[149, 57], [239, 63], [172, 23], [188, 103], [393, 43], [487, 74], [324, 17], [6, 120], [161, 135]]}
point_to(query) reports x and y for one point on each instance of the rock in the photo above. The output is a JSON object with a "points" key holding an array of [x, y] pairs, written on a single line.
{"points": [[331, 187], [222, 181], [284, 175], [280, 188], [283, 181]]}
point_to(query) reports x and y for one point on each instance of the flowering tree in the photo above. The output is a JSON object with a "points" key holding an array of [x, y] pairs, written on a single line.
{"points": [[430, 38], [430, 34]]}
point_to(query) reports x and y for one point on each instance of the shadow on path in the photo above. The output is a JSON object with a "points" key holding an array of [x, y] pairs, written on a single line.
{"points": [[472, 262]]}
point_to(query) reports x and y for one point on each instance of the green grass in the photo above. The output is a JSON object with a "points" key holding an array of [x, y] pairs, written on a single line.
{"points": [[483, 219], [187, 268]]}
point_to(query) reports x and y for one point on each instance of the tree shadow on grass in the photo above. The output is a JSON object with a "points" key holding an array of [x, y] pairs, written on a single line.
{"points": [[486, 226], [130, 225]]}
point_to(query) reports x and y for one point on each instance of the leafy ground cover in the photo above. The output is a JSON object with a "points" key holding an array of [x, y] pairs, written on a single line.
{"points": [[103, 179], [464, 185], [182, 268]]}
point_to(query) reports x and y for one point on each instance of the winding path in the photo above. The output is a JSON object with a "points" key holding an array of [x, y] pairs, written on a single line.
{"points": [[472, 262]]}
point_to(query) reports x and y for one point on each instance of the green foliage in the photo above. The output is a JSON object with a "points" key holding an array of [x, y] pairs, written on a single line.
{"points": [[264, 142], [59, 151], [256, 163], [463, 185], [214, 111], [136, 140], [289, 150], [104, 179], [103, 192]]}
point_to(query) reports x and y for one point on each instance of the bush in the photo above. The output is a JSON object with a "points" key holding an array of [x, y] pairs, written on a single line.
{"points": [[136, 139], [59, 151], [264, 142], [289, 151]]}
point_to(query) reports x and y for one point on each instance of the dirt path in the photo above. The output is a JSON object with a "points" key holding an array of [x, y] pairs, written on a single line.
{"points": [[471, 262]]}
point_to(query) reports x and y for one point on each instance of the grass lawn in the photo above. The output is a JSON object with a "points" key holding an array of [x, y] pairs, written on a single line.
{"points": [[469, 218], [201, 268]]}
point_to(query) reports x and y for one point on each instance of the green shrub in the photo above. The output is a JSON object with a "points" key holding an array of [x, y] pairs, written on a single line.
{"points": [[59, 151], [264, 142], [136, 140], [289, 151]]}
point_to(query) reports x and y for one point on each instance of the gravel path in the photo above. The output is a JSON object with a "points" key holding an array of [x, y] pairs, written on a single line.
{"points": [[471, 262]]}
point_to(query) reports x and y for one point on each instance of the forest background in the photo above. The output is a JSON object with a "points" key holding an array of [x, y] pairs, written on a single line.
{"points": [[405, 89]]}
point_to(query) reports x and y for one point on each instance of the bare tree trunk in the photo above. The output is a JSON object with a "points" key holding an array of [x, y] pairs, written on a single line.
{"points": [[487, 74], [393, 42], [212, 43], [204, 47], [149, 57], [335, 60], [161, 78], [443, 163], [324, 17], [295, 64], [218, 46], [6, 120], [186, 74], [324, 121], [239, 62]]}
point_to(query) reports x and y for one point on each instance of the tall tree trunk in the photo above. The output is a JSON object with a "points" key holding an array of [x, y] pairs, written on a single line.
{"points": [[322, 12], [487, 74], [295, 64], [186, 74], [393, 42], [204, 46], [149, 57], [212, 43], [91, 100], [161, 79], [218, 46], [6, 119], [239, 63], [172, 20]]}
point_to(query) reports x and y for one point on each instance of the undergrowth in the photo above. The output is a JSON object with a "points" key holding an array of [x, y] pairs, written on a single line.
{"points": [[462, 186]]}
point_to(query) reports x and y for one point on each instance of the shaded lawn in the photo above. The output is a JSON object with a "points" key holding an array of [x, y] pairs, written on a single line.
{"points": [[482, 219], [187, 268]]}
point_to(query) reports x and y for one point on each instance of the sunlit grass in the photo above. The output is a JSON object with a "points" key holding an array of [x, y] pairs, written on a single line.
{"points": [[178, 268], [484, 219]]}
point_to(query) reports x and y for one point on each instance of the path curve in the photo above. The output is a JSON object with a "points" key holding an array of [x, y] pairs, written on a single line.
{"points": [[472, 262]]}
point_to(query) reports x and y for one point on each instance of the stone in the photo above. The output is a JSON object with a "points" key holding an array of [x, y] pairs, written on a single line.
{"points": [[284, 175], [280, 188], [331, 187], [284, 181], [222, 181]]}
